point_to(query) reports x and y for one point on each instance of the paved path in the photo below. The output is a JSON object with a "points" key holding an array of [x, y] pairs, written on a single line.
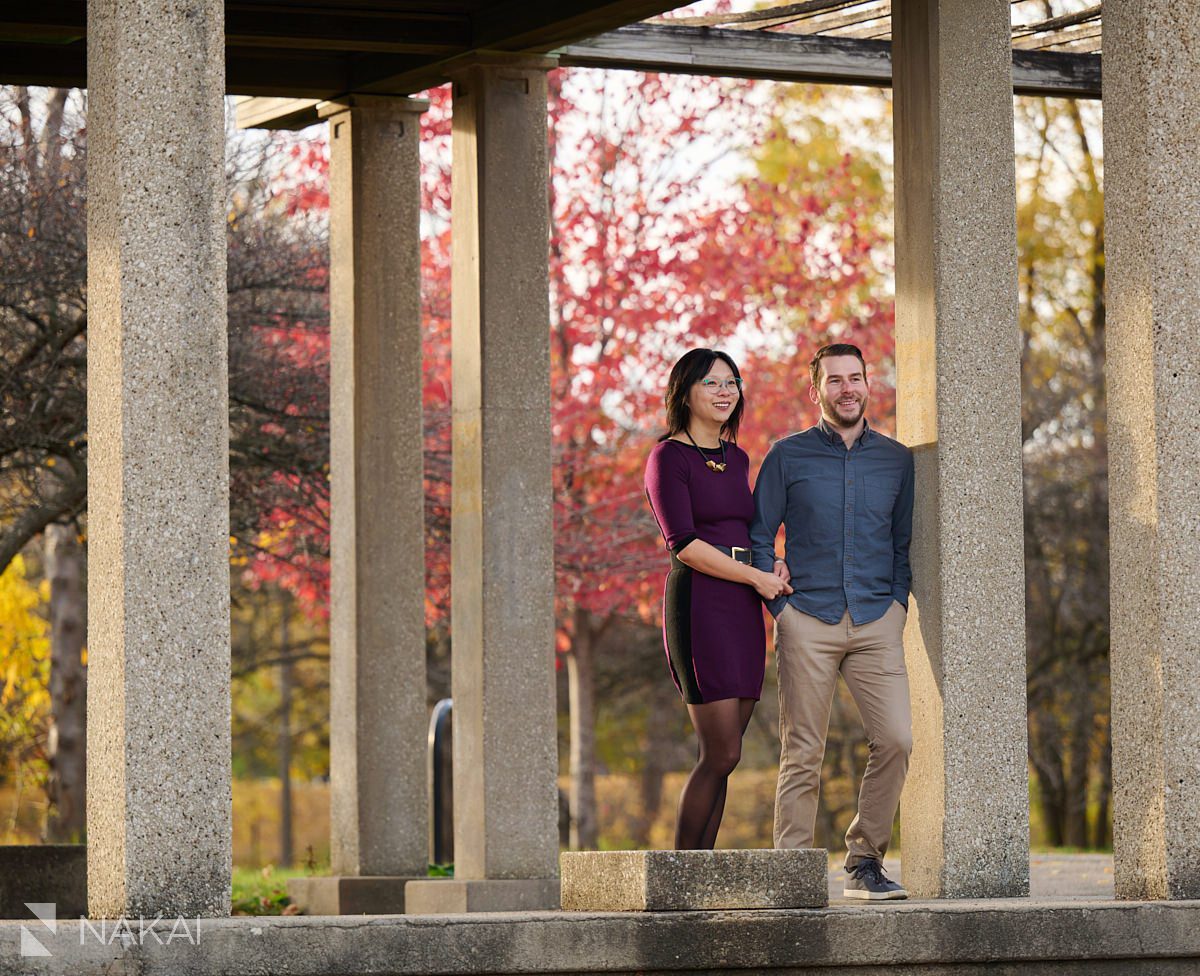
{"points": [[1050, 876]]}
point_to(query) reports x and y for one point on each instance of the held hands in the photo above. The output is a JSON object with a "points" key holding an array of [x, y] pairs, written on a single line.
{"points": [[781, 570], [769, 585]]}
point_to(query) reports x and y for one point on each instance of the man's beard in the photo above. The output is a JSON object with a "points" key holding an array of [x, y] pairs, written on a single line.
{"points": [[838, 419]]}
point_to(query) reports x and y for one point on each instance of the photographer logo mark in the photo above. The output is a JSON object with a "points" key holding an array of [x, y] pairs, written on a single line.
{"points": [[45, 912]]}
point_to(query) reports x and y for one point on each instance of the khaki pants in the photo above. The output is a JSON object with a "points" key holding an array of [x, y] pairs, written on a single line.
{"points": [[810, 654]]}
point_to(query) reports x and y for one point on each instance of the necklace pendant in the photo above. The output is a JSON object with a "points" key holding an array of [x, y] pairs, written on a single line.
{"points": [[715, 466]]}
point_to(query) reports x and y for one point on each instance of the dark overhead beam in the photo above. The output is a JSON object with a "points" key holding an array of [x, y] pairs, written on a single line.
{"points": [[353, 30], [247, 72], [735, 53], [62, 66], [538, 25], [264, 71], [255, 69], [48, 22], [376, 74], [512, 26], [803, 58], [1060, 74]]}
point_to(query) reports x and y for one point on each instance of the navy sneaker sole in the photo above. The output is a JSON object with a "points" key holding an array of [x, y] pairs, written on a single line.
{"points": [[864, 895]]}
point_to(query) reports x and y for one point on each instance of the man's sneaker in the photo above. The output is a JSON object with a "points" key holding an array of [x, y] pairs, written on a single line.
{"points": [[867, 881]]}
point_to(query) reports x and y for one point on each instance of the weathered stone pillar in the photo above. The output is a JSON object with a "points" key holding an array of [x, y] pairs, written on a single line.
{"points": [[1152, 210], [505, 736], [379, 806], [965, 811], [159, 803]]}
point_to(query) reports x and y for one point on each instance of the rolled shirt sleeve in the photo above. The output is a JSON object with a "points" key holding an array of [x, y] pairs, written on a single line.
{"points": [[770, 506]]}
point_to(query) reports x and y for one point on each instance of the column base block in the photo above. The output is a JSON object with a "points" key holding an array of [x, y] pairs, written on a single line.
{"points": [[349, 895], [453, 896], [43, 873], [665, 881]]}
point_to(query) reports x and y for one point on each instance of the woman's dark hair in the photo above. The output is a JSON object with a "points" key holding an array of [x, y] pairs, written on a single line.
{"points": [[690, 370]]}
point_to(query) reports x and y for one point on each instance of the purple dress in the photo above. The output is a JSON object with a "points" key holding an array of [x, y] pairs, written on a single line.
{"points": [[712, 628]]}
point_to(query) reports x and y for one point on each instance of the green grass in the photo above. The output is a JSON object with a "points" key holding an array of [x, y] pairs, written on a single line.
{"points": [[263, 891]]}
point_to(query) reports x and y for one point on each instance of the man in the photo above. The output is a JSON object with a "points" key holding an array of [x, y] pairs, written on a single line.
{"points": [[844, 494]]}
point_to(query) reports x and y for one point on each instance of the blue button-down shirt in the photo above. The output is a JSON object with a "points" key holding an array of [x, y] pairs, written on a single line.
{"points": [[847, 517]]}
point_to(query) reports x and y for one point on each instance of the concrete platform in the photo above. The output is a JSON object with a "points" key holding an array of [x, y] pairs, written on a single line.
{"points": [[655, 881], [1015, 937], [454, 896], [363, 895]]}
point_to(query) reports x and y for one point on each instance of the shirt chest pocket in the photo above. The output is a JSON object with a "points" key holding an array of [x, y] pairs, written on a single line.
{"points": [[881, 492]]}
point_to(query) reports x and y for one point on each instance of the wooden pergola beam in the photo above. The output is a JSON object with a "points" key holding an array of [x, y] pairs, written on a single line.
{"points": [[55, 22], [371, 30], [803, 58], [539, 25], [27, 64], [748, 54], [857, 15]]}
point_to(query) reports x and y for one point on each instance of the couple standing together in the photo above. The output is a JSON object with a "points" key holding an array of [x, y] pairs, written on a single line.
{"points": [[844, 494]]}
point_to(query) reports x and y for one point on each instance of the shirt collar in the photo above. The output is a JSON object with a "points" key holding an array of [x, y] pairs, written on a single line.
{"points": [[833, 438]]}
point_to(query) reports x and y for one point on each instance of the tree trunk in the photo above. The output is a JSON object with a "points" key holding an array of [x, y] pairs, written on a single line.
{"points": [[1045, 751], [67, 750], [651, 780], [581, 685], [285, 739], [1102, 835], [1076, 832]]}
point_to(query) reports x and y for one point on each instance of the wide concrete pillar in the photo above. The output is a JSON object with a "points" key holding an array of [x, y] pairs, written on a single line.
{"points": [[502, 597], [379, 800], [965, 810], [1152, 211], [159, 802]]}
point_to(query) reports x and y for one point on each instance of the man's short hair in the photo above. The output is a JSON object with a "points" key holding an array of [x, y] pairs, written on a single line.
{"points": [[833, 349]]}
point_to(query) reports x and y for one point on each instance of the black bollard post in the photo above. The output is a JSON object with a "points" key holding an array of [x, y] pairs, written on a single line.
{"points": [[441, 783]]}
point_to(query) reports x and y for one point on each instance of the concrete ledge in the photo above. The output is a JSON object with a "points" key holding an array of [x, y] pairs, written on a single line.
{"points": [[347, 895], [657, 881], [43, 873], [452, 896], [996, 938]]}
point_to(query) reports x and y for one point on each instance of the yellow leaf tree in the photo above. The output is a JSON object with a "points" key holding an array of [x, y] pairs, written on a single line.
{"points": [[24, 695]]}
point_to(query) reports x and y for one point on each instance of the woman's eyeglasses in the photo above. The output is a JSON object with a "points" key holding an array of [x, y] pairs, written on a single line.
{"points": [[732, 385]]}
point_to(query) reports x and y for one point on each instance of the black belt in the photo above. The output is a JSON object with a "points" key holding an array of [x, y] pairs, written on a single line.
{"points": [[737, 553]]}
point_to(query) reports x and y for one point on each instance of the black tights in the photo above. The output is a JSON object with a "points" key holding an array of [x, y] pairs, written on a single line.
{"points": [[719, 726]]}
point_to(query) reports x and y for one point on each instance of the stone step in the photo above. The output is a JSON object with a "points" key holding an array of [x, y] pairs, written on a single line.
{"points": [[662, 881]]}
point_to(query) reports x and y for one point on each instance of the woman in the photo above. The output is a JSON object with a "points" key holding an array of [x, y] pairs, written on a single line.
{"points": [[697, 480]]}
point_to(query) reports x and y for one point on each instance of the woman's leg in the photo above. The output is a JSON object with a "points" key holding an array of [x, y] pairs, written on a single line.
{"points": [[745, 710], [718, 728]]}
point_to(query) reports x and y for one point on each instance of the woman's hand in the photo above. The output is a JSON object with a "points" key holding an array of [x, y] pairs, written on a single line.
{"points": [[769, 586], [781, 570]]}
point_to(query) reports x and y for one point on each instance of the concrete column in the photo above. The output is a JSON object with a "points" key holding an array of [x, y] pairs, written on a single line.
{"points": [[965, 811], [159, 803], [379, 807], [1152, 211], [505, 728]]}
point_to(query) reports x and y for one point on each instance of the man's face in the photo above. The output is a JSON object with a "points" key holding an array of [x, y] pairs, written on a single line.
{"points": [[842, 390]]}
